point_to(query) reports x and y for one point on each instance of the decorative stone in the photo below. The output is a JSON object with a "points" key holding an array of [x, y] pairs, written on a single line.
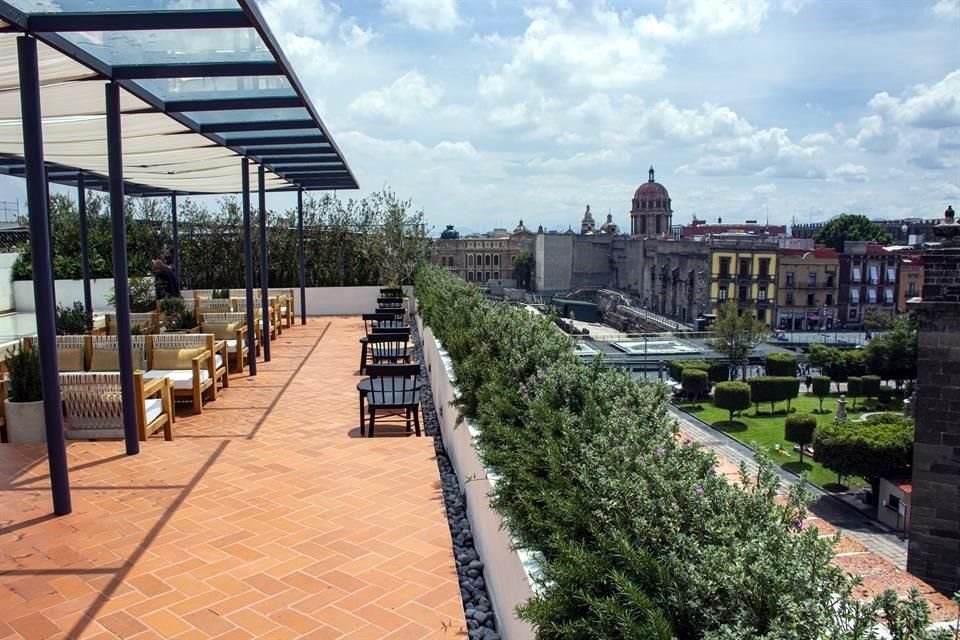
{"points": [[842, 408]]}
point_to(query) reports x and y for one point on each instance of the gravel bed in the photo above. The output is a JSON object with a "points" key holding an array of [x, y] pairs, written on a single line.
{"points": [[477, 609]]}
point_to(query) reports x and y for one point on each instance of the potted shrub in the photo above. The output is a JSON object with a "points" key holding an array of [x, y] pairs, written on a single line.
{"points": [[142, 296], [24, 403], [73, 321]]}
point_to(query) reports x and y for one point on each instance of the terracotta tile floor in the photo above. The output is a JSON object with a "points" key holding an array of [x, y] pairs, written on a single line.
{"points": [[266, 517]]}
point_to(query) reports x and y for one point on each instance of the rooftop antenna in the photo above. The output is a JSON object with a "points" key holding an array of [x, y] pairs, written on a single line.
{"points": [[767, 207]]}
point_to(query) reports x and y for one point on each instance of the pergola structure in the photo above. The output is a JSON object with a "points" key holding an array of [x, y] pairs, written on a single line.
{"points": [[141, 97]]}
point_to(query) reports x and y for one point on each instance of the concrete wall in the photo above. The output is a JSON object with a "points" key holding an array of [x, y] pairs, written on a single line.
{"points": [[321, 301], [6, 284], [506, 570], [553, 256]]}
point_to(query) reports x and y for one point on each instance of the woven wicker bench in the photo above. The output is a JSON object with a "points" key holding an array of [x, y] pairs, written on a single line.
{"points": [[93, 405], [148, 322], [232, 329], [285, 303]]}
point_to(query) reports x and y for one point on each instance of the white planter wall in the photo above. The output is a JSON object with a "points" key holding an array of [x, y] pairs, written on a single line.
{"points": [[6, 286], [506, 570], [67, 292]]}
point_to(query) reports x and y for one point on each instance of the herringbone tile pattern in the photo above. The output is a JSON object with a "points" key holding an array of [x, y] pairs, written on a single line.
{"points": [[266, 517]]}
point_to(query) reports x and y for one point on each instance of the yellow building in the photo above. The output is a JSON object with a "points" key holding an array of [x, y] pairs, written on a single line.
{"points": [[744, 270]]}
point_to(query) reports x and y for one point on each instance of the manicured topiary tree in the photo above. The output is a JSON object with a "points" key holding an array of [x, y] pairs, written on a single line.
{"points": [[881, 445], [870, 386], [732, 396], [799, 429], [762, 390], [821, 388], [781, 364], [885, 396], [676, 367], [695, 383], [789, 388], [854, 388]]}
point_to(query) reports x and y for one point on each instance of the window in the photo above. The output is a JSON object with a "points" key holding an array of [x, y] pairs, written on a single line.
{"points": [[891, 275], [854, 296], [470, 260], [855, 274], [853, 314], [811, 278], [744, 267], [874, 274], [658, 224], [762, 294], [830, 277], [829, 300], [790, 279], [486, 260], [789, 298], [496, 260], [912, 289], [486, 276], [762, 315], [888, 295], [479, 260], [643, 225], [894, 503], [872, 295], [496, 275], [811, 300], [479, 276], [724, 267], [743, 294], [764, 269], [469, 276], [722, 294]]}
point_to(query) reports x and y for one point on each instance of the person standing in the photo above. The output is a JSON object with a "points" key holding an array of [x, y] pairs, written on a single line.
{"points": [[167, 285]]}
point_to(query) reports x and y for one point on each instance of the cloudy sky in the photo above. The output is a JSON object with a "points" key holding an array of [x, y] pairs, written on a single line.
{"points": [[487, 111]]}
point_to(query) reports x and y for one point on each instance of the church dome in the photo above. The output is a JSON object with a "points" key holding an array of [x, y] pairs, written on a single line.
{"points": [[652, 194]]}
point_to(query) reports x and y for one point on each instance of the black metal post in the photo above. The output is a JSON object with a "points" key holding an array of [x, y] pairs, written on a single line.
{"points": [[176, 236], [248, 265], [264, 285], [46, 185], [303, 262], [42, 273], [84, 245], [121, 285]]}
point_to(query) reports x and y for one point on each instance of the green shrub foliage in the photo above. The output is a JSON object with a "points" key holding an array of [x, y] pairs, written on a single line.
{"points": [[881, 445], [854, 388], [781, 364], [885, 395], [799, 429], [871, 386], [73, 320], [821, 388], [732, 396], [695, 383], [773, 389], [716, 371], [25, 380], [638, 537]]}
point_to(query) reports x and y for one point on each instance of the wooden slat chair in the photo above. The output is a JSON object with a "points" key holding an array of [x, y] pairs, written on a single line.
{"points": [[232, 329], [398, 314], [71, 351], [103, 353], [391, 292], [273, 305], [380, 322], [389, 348], [194, 362], [390, 303], [149, 322], [213, 305], [394, 392], [240, 306], [285, 303], [93, 405], [273, 301]]}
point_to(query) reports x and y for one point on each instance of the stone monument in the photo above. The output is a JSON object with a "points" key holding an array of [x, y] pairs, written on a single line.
{"points": [[842, 408], [934, 551]]}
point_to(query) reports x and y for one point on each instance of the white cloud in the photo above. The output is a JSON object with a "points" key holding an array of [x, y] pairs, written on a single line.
{"points": [[819, 138], [766, 152], [355, 36], [793, 6], [689, 19], [428, 15], [408, 97], [875, 136], [949, 9], [583, 160], [933, 107], [765, 189], [850, 173], [313, 18]]}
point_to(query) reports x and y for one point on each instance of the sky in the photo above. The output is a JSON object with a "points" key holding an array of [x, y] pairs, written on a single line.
{"points": [[485, 112]]}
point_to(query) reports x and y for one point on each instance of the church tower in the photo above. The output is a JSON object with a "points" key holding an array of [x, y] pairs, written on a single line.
{"points": [[650, 213]]}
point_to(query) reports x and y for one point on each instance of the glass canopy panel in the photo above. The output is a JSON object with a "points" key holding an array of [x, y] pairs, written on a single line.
{"points": [[218, 88], [267, 133], [99, 6], [175, 45], [249, 115]]}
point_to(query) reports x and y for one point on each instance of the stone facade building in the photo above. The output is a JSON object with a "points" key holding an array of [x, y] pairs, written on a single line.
{"points": [[480, 258], [934, 552], [868, 283], [807, 284]]}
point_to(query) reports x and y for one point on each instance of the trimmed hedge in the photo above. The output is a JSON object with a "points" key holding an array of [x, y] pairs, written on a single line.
{"points": [[821, 388], [881, 445], [639, 537], [781, 364], [871, 386], [717, 371], [799, 429], [732, 396], [695, 383], [773, 389]]}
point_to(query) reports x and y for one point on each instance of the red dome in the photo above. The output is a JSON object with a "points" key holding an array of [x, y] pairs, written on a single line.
{"points": [[650, 190], [651, 197]]}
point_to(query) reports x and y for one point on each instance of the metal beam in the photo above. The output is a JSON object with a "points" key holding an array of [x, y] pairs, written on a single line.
{"points": [[260, 125], [269, 140], [229, 104], [138, 20], [315, 173], [303, 263], [176, 235], [291, 151], [196, 70], [84, 245], [264, 274], [279, 161], [121, 284], [248, 267], [30, 121]]}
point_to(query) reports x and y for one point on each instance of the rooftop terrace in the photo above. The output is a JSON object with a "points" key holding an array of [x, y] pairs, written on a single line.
{"points": [[267, 516]]}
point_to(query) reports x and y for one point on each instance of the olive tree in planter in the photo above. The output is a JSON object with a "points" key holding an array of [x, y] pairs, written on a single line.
{"points": [[24, 404]]}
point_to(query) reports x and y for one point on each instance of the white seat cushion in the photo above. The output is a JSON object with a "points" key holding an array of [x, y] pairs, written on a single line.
{"points": [[231, 346], [218, 360], [182, 378], [154, 408]]}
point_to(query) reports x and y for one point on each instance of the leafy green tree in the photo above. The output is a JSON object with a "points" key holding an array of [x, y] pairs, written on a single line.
{"points": [[732, 396], [850, 227], [695, 383], [854, 388], [781, 364], [799, 429], [821, 389], [877, 320], [523, 269], [836, 363], [735, 335], [892, 355], [881, 445]]}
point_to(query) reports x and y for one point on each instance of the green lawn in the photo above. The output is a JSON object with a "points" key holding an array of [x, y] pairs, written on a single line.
{"points": [[766, 431]]}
